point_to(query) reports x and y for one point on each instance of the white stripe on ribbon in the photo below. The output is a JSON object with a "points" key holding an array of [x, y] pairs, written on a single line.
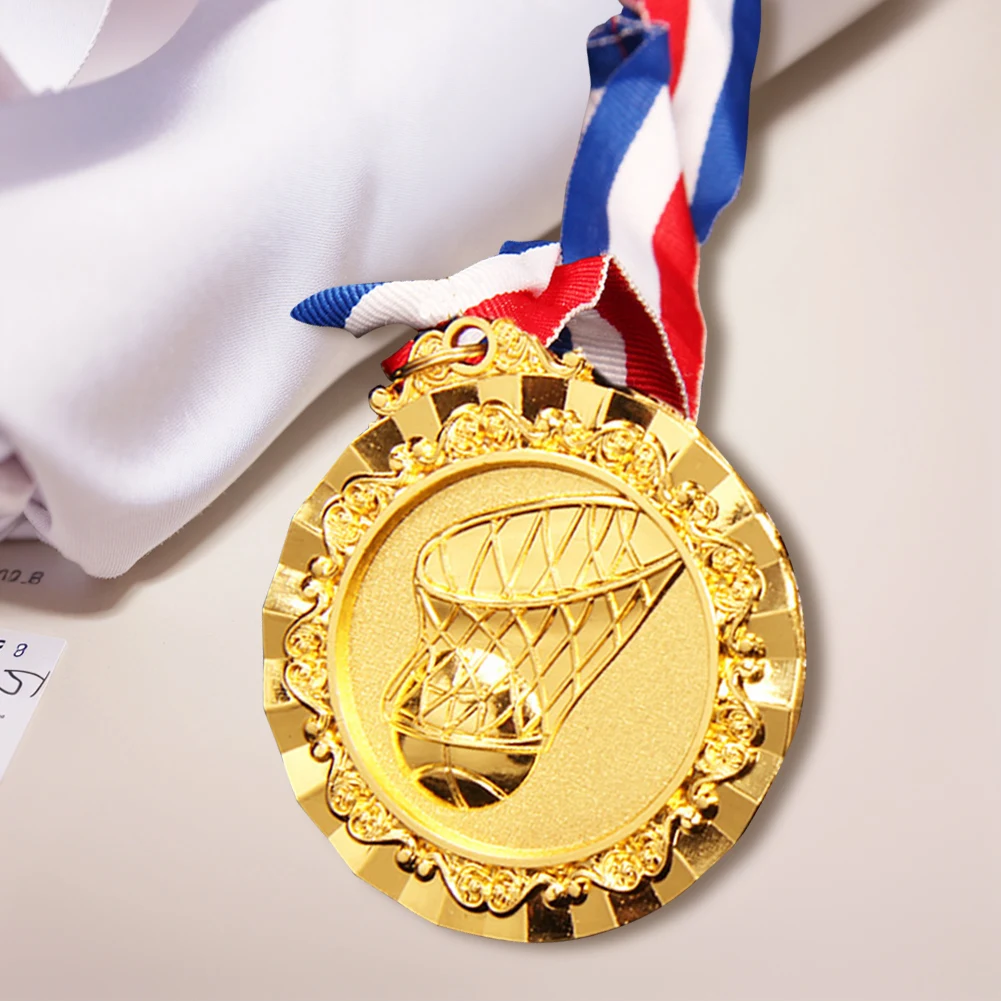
{"points": [[708, 47], [424, 304], [601, 344], [642, 188], [593, 100]]}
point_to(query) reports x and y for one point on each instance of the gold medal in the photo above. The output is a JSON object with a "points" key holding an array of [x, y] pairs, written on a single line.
{"points": [[534, 652]]}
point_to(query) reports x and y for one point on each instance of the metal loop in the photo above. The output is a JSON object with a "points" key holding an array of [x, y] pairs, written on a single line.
{"points": [[464, 352], [474, 352]]}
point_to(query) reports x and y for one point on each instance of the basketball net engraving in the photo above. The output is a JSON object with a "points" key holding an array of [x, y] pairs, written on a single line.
{"points": [[521, 609]]}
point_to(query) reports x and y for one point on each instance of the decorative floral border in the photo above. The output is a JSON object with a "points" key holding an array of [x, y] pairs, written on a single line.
{"points": [[734, 582]]}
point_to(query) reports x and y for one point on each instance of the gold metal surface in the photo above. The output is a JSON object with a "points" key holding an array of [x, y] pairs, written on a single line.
{"points": [[521, 610], [534, 652]]}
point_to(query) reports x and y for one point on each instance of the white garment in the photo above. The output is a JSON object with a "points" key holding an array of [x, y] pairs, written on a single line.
{"points": [[53, 44], [158, 226]]}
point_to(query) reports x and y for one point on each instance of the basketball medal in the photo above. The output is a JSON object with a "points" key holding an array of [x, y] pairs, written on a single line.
{"points": [[534, 652]]}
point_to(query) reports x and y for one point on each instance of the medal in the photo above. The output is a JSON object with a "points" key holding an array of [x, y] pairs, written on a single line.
{"points": [[534, 652]]}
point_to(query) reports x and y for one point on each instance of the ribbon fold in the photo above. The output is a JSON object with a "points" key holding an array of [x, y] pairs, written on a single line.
{"points": [[661, 153]]}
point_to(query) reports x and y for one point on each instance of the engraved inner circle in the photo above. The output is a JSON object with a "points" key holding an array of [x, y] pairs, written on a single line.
{"points": [[521, 609], [523, 658]]}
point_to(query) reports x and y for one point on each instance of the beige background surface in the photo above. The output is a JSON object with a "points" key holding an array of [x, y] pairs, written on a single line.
{"points": [[150, 844]]}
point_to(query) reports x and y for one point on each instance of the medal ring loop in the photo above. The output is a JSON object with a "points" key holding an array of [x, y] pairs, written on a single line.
{"points": [[470, 357]]}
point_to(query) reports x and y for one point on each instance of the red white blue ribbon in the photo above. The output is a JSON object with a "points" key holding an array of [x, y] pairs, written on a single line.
{"points": [[661, 153]]}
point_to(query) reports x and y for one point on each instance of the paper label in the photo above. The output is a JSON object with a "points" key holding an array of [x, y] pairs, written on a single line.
{"points": [[26, 662]]}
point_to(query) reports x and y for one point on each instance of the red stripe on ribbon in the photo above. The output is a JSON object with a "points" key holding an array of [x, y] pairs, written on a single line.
{"points": [[677, 254], [673, 14], [397, 359], [572, 288], [648, 365]]}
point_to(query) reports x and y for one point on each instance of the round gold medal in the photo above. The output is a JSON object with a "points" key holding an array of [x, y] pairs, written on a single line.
{"points": [[534, 652]]}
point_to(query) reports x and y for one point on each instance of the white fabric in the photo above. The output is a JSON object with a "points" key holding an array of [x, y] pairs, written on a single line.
{"points": [[427, 303], [48, 45], [269, 150], [158, 226]]}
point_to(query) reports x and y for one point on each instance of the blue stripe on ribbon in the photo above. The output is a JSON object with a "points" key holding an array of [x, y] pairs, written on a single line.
{"points": [[726, 146], [562, 344], [332, 306], [630, 93], [520, 246]]}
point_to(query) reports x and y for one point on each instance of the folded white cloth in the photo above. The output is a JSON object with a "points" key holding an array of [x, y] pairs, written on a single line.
{"points": [[158, 226], [48, 45]]}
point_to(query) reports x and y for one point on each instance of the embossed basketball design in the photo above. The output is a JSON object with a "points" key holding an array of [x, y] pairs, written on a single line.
{"points": [[521, 609]]}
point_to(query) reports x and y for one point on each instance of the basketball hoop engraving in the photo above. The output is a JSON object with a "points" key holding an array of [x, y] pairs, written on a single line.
{"points": [[521, 610]]}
